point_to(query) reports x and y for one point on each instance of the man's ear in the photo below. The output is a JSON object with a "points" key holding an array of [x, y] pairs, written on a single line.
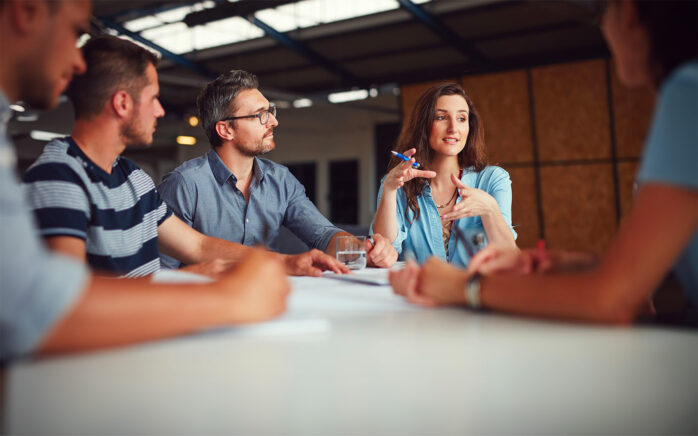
{"points": [[225, 130], [26, 15], [121, 103]]}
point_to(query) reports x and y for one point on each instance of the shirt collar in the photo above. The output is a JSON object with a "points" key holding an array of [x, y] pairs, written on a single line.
{"points": [[222, 173]]}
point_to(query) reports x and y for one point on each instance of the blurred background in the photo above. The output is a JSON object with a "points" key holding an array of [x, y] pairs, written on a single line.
{"points": [[344, 75]]}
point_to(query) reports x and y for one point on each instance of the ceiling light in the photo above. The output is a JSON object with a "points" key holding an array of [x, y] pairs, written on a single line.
{"points": [[193, 121], [42, 135], [186, 140], [17, 108], [373, 92], [341, 97], [302, 102]]}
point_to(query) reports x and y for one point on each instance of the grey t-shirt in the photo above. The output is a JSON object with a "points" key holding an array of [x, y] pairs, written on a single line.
{"points": [[36, 287]]}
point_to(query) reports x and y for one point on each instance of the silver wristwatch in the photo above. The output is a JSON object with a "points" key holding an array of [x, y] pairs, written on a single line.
{"points": [[472, 292]]}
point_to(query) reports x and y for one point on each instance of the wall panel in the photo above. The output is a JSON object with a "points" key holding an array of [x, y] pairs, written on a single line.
{"points": [[502, 100], [571, 111]]}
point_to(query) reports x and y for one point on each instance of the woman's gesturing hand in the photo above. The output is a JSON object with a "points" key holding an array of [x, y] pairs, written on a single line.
{"points": [[474, 202], [404, 172]]}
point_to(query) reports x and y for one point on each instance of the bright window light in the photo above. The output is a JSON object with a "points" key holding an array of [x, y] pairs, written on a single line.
{"points": [[341, 97], [42, 135], [167, 30]]}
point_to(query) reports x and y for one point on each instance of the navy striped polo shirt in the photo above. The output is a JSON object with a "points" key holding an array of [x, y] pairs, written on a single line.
{"points": [[117, 214]]}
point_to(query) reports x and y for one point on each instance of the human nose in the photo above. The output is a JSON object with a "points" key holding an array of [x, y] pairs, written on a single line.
{"points": [[272, 121], [159, 110]]}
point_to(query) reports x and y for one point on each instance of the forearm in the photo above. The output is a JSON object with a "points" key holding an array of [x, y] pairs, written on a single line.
{"points": [[117, 312], [585, 297], [497, 229], [215, 248], [331, 249], [385, 221]]}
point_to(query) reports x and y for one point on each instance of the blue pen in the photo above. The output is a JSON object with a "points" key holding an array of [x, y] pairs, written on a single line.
{"points": [[405, 158]]}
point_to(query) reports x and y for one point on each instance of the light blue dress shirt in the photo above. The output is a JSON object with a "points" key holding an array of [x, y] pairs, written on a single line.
{"points": [[36, 287], [671, 155], [203, 194], [424, 237]]}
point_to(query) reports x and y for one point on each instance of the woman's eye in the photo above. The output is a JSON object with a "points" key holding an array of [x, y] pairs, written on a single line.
{"points": [[440, 117], [462, 119]]}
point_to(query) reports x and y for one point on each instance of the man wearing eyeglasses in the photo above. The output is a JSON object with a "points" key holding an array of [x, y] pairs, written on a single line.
{"points": [[96, 206], [232, 194]]}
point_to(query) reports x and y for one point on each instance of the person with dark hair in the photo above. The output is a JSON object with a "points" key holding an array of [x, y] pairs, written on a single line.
{"points": [[97, 206], [453, 187], [653, 44], [52, 303], [233, 194]]}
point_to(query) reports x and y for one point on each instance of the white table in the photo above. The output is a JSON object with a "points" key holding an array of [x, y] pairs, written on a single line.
{"points": [[354, 359]]}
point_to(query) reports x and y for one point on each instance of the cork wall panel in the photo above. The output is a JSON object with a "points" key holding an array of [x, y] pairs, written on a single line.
{"points": [[632, 111], [578, 206], [524, 207], [502, 100], [571, 111], [410, 93], [626, 182]]}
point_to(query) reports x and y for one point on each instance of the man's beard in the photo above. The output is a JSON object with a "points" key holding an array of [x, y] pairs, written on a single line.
{"points": [[258, 150], [132, 136]]}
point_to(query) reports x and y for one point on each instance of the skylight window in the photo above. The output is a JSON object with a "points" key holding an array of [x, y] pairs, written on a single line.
{"points": [[168, 30]]}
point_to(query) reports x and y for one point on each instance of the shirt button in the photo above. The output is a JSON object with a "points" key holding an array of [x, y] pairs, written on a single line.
{"points": [[247, 220]]}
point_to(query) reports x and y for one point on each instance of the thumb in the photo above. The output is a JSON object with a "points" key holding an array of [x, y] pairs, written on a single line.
{"points": [[457, 182], [369, 245]]}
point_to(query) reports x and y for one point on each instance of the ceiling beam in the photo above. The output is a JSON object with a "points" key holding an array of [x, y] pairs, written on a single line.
{"points": [[445, 33], [179, 60], [307, 52]]}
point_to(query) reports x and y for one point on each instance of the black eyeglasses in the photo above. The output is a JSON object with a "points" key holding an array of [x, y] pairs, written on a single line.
{"points": [[263, 115]]}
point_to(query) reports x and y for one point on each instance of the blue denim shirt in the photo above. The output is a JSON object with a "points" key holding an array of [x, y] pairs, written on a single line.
{"points": [[424, 237], [36, 287], [203, 194]]}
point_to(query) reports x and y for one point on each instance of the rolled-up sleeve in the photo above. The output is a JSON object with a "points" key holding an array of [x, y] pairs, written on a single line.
{"points": [[399, 217], [38, 287], [303, 218], [499, 187]]}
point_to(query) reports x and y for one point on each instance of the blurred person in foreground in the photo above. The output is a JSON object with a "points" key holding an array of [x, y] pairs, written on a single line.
{"points": [[51, 303], [653, 44]]}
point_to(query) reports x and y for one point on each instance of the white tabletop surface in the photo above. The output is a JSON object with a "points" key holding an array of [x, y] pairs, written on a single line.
{"points": [[353, 359]]}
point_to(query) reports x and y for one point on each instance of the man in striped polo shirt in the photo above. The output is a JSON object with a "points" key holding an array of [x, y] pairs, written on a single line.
{"points": [[97, 206]]}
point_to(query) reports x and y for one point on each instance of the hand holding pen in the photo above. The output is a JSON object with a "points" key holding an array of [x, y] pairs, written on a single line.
{"points": [[405, 171]]}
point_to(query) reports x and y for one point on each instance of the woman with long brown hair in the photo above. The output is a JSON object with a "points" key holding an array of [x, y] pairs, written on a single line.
{"points": [[655, 44], [418, 208]]}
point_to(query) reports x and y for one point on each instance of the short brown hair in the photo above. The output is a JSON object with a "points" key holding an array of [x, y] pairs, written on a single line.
{"points": [[112, 64]]}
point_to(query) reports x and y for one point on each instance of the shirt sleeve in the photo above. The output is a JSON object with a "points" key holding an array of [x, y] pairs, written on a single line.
{"points": [[175, 193], [671, 152], [499, 187], [303, 218], [38, 287], [57, 196], [399, 216]]}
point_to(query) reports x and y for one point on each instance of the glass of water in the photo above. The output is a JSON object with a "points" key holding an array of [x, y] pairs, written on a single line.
{"points": [[351, 251]]}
